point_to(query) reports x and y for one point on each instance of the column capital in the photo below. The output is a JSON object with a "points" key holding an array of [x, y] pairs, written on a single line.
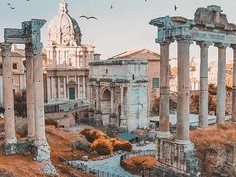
{"points": [[184, 39], [166, 42], [204, 44], [6, 49], [222, 45]]}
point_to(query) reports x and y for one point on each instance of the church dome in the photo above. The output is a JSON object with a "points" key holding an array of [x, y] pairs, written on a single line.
{"points": [[63, 29]]}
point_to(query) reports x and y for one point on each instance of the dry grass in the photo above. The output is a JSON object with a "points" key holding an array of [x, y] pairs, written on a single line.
{"points": [[147, 162], [217, 136], [60, 144]]}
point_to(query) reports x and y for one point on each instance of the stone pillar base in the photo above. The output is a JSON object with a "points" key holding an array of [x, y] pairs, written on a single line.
{"points": [[113, 120], [49, 169], [176, 158], [42, 152], [17, 148], [98, 118]]}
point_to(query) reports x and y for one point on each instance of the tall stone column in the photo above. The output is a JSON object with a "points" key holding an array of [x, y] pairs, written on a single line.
{"points": [[8, 97], [183, 90], [30, 90], [98, 101], [84, 87], [123, 120], [234, 86], [221, 90], [58, 87], [64, 87], [48, 88], [203, 98], [38, 96], [164, 90], [112, 115], [78, 87]]}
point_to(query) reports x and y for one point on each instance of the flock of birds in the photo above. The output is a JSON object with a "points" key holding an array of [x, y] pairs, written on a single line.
{"points": [[11, 7], [82, 16], [92, 17]]}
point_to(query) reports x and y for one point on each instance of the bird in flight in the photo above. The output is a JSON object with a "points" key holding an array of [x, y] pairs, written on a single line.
{"points": [[111, 7], [12, 8], [83, 16], [9, 4], [145, 0], [175, 7]]}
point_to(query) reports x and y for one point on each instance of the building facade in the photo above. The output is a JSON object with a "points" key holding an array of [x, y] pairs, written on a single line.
{"points": [[119, 93], [153, 71], [67, 66], [19, 75]]}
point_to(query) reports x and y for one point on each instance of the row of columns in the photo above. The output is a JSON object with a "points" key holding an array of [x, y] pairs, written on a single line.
{"points": [[60, 57], [55, 92], [183, 45], [34, 94]]}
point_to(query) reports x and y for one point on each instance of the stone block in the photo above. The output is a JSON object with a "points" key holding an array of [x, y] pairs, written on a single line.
{"points": [[21, 147]]}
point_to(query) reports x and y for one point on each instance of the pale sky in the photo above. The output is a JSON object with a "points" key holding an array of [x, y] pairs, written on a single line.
{"points": [[125, 27]]}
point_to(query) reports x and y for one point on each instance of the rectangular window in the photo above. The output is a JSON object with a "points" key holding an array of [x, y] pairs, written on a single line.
{"points": [[14, 65], [155, 83], [0, 65]]}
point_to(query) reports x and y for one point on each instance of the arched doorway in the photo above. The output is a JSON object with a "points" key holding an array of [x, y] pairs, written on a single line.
{"points": [[106, 106]]}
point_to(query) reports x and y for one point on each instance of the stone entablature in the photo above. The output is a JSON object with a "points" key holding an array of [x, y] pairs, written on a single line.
{"points": [[119, 70], [209, 25]]}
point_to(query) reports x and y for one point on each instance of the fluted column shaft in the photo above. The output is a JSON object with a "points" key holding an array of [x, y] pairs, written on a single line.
{"points": [[221, 90], [164, 87], [234, 86], [203, 97], [8, 97], [183, 90]]}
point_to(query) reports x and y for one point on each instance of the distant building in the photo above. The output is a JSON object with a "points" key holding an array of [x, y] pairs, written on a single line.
{"points": [[212, 74], [194, 80], [19, 75], [119, 92], [67, 69], [153, 71]]}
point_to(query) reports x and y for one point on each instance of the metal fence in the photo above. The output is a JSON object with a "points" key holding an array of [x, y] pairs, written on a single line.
{"points": [[134, 168]]}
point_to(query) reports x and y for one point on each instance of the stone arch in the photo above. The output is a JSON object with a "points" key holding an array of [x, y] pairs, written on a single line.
{"points": [[106, 95]]}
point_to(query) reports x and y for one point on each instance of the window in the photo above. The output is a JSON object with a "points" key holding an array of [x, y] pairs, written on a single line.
{"points": [[155, 83], [106, 71], [0, 65], [14, 65]]}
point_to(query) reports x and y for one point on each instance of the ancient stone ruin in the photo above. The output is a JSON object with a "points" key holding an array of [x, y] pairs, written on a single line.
{"points": [[36, 141], [209, 27]]}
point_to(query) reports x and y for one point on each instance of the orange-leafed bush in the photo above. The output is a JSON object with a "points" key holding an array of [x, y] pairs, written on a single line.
{"points": [[102, 146], [146, 162], [92, 135], [122, 145]]}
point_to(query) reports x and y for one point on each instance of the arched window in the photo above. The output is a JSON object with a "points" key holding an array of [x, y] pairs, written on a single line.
{"points": [[106, 95]]}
